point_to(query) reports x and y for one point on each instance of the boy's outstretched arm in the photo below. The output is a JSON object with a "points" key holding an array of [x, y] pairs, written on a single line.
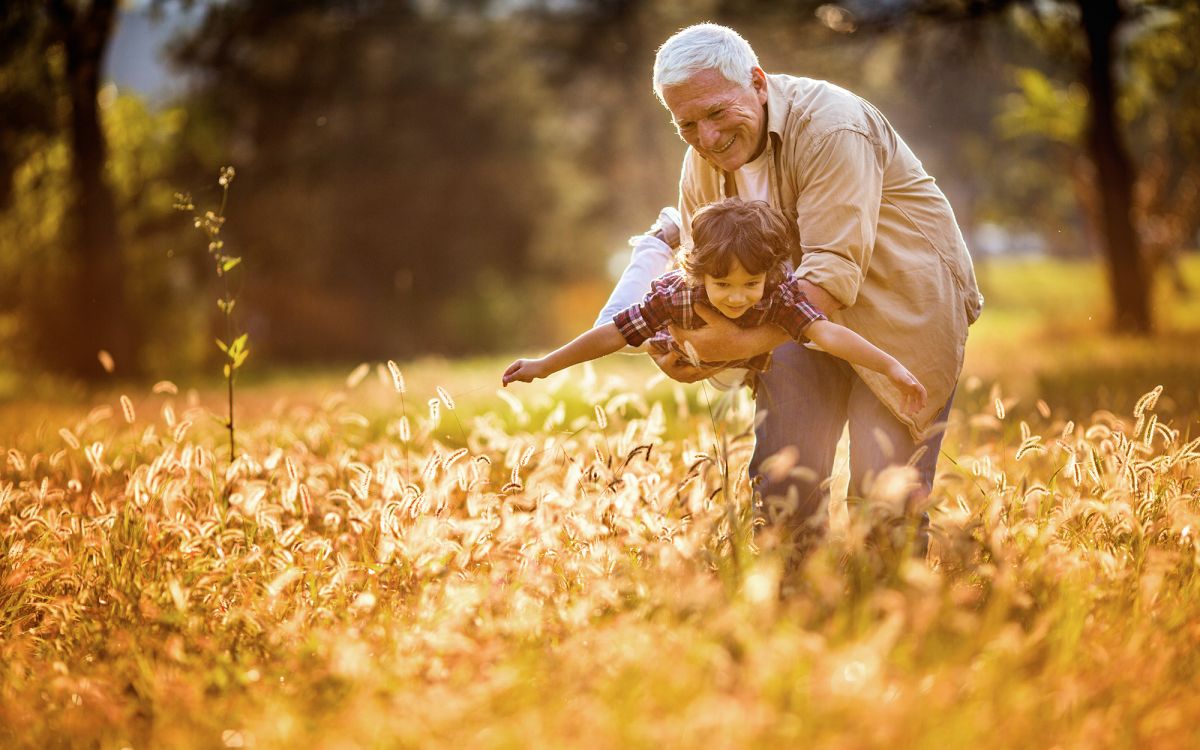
{"points": [[842, 342], [589, 345]]}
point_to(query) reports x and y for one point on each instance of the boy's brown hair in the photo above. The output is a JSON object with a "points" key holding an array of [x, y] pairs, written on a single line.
{"points": [[758, 236]]}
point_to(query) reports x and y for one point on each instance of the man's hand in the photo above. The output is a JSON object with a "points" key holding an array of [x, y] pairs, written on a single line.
{"points": [[721, 340], [524, 370], [676, 368]]}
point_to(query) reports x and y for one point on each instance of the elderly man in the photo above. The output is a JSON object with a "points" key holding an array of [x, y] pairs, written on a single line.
{"points": [[880, 253]]}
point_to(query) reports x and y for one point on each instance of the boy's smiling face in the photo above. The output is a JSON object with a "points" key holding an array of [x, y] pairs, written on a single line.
{"points": [[735, 292]]}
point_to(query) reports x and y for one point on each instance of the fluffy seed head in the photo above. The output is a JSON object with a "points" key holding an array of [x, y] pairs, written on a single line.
{"points": [[356, 375], [397, 378], [127, 408]]}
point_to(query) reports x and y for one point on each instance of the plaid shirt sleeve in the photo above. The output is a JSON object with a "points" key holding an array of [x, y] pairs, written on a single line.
{"points": [[669, 301], [792, 311]]}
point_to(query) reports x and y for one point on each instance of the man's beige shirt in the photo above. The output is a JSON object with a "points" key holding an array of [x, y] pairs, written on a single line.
{"points": [[875, 232]]}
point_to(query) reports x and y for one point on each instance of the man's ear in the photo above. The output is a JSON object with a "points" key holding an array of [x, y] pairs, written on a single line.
{"points": [[758, 81]]}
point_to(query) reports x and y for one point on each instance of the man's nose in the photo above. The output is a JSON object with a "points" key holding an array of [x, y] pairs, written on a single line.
{"points": [[709, 134]]}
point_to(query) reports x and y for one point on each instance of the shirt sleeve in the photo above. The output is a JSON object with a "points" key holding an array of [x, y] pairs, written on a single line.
{"points": [[793, 311], [838, 212], [650, 258], [641, 321]]}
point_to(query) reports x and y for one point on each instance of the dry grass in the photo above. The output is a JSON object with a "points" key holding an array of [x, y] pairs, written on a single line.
{"points": [[356, 590]]}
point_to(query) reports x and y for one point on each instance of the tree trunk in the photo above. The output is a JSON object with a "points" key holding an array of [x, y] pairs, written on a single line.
{"points": [[94, 312], [1128, 278]]}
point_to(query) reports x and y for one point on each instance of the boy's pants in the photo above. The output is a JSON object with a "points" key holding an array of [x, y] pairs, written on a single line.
{"points": [[808, 396]]}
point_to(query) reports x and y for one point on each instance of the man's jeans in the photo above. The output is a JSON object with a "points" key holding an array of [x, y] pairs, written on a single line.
{"points": [[808, 396]]}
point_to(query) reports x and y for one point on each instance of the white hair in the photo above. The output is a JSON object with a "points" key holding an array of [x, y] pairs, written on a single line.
{"points": [[704, 46]]}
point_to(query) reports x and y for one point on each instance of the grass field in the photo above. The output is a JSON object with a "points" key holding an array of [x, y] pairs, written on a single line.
{"points": [[571, 564]]}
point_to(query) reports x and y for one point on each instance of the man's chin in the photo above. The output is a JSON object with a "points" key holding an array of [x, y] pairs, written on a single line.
{"points": [[727, 161]]}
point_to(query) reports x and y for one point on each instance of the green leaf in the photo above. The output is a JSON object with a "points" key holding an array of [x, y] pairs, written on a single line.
{"points": [[221, 345], [229, 263], [238, 344]]}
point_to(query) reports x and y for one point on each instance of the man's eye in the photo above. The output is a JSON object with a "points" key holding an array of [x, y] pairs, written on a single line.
{"points": [[717, 114]]}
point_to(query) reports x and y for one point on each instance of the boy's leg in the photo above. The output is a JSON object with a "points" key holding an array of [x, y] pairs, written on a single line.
{"points": [[666, 227], [879, 440], [801, 410], [651, 256]]}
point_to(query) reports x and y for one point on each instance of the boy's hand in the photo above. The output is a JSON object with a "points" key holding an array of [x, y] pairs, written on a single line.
{"points": [[913, 393], [524, 370]]}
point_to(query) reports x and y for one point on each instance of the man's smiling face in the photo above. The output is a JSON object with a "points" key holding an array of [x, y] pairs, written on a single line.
{"points": [[724, 121]]}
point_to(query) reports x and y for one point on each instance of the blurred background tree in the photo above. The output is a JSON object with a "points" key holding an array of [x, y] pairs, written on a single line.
{"points": [[460, 177], [1104, 66], [396, 172], [74, 304]]}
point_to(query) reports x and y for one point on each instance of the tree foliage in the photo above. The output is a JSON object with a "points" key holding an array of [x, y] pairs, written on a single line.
{"points": [[35, 259], [396, 170], [450, 177]]}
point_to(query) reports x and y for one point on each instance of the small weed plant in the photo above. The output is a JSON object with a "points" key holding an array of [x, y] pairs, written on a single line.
{"points": [[234, 346]]}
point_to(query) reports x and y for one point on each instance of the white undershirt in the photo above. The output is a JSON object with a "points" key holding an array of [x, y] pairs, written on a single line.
{"points": [[753, 180]]}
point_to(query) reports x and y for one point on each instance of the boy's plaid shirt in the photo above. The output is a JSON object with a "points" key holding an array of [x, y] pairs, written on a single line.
{"points": [[671, 300]]}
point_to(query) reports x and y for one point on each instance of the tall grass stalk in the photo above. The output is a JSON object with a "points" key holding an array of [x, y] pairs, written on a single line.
{"points": [[234, 345]]}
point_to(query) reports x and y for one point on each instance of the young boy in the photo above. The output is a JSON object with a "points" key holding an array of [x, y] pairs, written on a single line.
{"points": [[738, 264]]}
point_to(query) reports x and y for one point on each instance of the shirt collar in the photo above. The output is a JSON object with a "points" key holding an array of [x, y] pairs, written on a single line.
{"points": [[777, 106]]}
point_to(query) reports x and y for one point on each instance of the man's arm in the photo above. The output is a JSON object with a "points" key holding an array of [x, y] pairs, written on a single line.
{"points": [[723, 340], [589, 345], [837, 212], [720, 340]]}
